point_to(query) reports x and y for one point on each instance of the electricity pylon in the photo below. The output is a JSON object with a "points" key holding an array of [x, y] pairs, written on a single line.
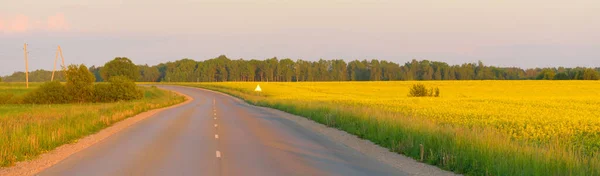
{"points": [[58, 50]]}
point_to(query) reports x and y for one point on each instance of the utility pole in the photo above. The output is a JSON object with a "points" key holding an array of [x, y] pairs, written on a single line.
{"points": [[53, 70], [63, 59], [26, 65], [58, 50]]}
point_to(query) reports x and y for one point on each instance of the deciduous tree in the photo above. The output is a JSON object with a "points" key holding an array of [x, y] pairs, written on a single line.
{"points": [[79, 83], [120, 66]]}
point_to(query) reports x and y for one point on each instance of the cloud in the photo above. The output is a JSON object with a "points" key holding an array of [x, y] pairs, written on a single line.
{"points": [[21, 23], [57, 22]]}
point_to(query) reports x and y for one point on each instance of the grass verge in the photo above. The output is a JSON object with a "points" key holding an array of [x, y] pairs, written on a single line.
{"points": [[27, 131]]}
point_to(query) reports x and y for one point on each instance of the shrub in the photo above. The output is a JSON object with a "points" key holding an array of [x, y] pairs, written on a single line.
{"points": [[419, 90], [102, 92], [119, 88], [10, 98], [124, 88], [80, 83], [5, 97], [48, 93]]}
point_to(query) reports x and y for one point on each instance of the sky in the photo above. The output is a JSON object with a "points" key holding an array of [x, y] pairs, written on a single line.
{"points": [[522, 33]]}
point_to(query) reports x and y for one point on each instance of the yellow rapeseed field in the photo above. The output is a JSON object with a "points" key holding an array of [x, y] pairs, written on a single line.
{"points": [[529, 110]]}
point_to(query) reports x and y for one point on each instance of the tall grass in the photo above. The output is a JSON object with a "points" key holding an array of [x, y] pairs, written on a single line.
{"points": [[13, 93], [27, 131], [474, 150]]}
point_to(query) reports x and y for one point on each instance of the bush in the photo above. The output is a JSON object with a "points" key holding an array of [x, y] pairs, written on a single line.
{"points": [[119, 88], [10, 98], [48, 93], [80, 83], [419, 90], [79, 88], [101, 93]]}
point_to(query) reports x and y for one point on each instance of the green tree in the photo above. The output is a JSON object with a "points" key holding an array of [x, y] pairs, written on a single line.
{"points": [[561, 76], [590, 74], [96, 71], [182, 71], [356, 70], [249, 73], [389, 70], [148, 74], [375, 70], [271, 66], [286, 69], [79, 84], [546, 74], [120, 66], [483, 72]]}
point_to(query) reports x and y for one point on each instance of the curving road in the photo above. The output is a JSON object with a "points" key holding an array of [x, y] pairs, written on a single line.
{"points": [[218, 135]]}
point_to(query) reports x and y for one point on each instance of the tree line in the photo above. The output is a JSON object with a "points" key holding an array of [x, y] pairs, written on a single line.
{"points": [[222, 69], [34, 76]]}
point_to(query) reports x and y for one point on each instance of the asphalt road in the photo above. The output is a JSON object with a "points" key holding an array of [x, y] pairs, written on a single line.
{"points": [[218, 135]]}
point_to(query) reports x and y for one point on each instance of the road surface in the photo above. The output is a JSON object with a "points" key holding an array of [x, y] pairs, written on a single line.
{"points": [[218, 135]]}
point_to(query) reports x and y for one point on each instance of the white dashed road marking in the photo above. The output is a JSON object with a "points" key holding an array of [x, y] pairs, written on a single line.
{"points": [[215, 125], [218, 154], [216, 136]]}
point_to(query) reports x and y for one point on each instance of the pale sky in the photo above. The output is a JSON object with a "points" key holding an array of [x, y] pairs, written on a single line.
{"points": [[523, 33]]}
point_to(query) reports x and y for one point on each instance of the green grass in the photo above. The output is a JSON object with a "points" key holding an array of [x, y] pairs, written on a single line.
{"points": [[469, 151], [27, 131], [12, 93]]}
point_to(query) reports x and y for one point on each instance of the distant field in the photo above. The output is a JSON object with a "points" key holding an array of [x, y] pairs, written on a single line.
{"points": [[11, 93], [27, 131], [475, 127]]}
